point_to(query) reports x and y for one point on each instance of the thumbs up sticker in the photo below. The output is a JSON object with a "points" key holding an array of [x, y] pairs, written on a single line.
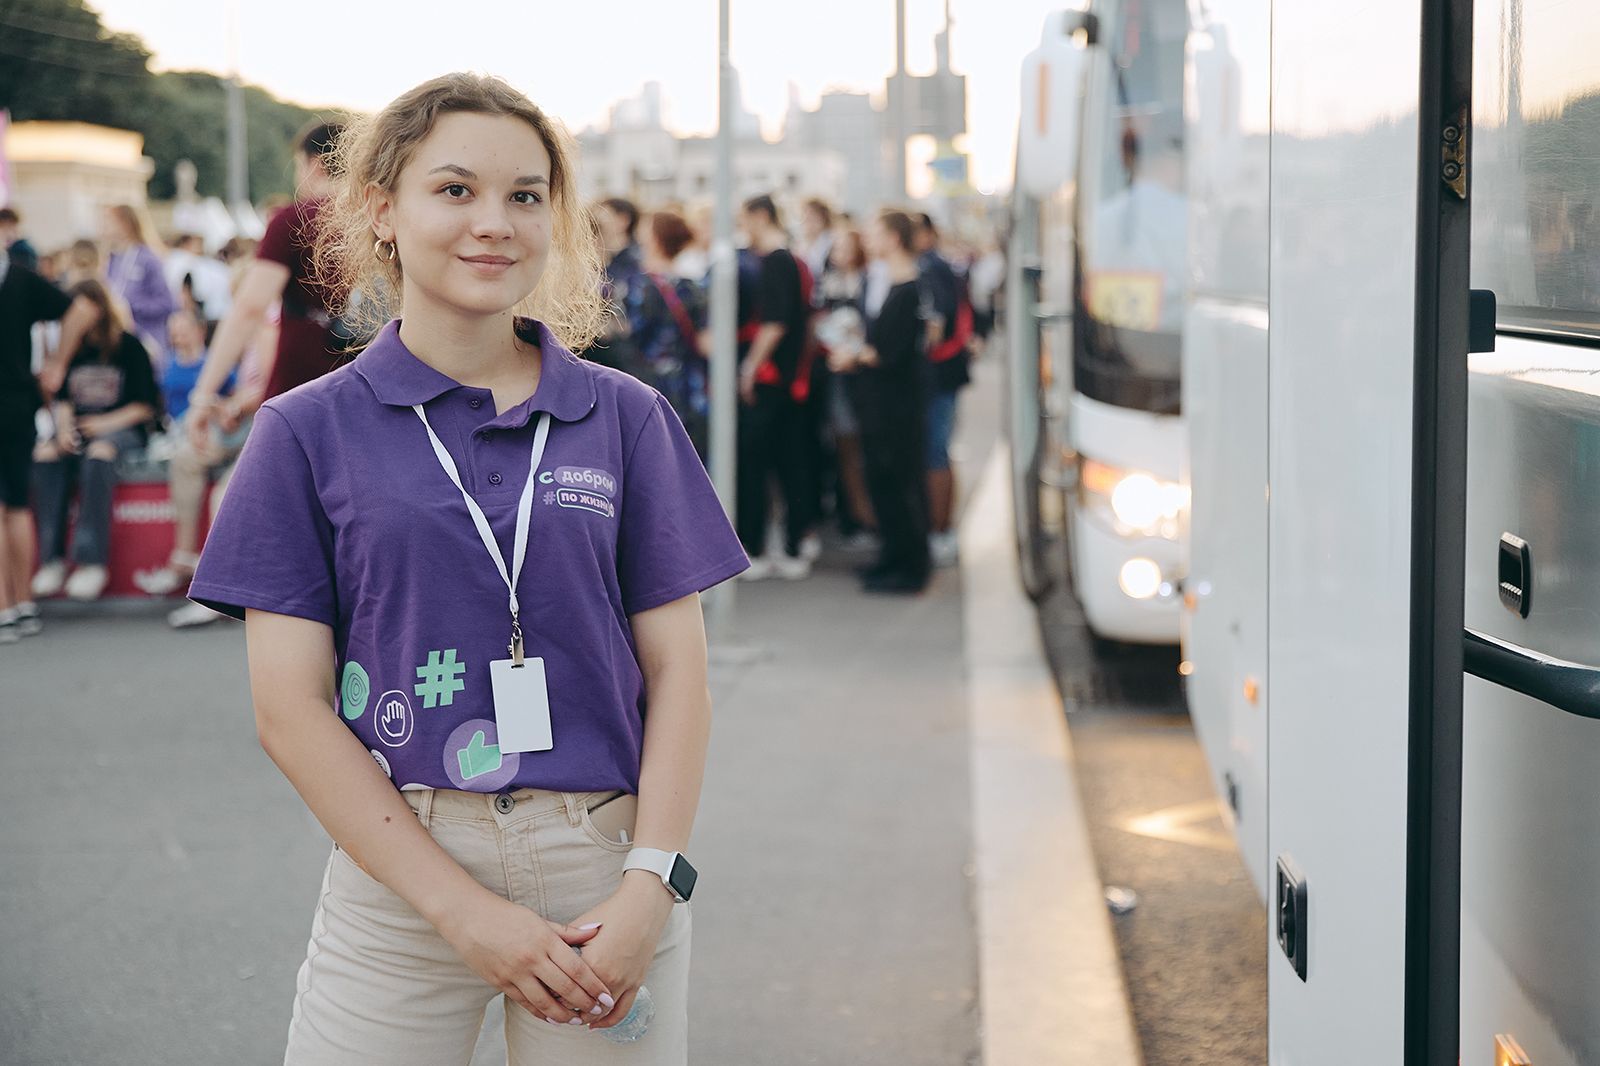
{"points": [[472, 757]]}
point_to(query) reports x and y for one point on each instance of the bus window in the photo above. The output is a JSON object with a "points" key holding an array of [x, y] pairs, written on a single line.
{"points": [[1134, 215], [1536, 164]]}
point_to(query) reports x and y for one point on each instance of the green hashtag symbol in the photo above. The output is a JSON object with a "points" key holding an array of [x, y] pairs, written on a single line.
{"points": [[441, 679]]}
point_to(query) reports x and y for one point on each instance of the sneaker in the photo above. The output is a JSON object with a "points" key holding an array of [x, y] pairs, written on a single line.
{"points": [[10, 632], [791, 567], [28, 622], [49, 579], [162, 582], [760, 569], [190, 615], [87, 582], [861, 541], [944, 548], [811, 547]]}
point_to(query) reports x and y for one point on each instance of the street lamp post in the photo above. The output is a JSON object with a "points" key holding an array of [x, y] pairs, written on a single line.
{"points": [[724, 298]]}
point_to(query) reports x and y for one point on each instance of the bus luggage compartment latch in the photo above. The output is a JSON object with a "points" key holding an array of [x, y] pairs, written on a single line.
{"points": [[1516, 574], [1293, 930]]}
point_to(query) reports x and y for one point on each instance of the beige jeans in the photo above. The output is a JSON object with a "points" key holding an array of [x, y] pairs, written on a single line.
{"points": [[380, 985]]}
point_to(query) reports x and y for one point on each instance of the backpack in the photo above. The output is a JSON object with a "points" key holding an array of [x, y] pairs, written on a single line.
{"points": [[960, 334]]}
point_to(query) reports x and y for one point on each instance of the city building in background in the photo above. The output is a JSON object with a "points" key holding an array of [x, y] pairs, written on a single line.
{"points": [[63, 174], [841, 151]]}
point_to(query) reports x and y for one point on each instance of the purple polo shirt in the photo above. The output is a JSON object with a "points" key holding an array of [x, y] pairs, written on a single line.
{"points": [[340, 512]]}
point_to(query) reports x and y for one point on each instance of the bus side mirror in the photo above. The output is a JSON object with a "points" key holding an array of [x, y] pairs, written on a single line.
{"points": [[1087, 22]]}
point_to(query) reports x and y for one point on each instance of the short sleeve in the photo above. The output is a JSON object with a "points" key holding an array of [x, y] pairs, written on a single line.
{"points": [[277, 243], [138, 374], [271, 547], [780, 289], [46, 303], [675, 537]]}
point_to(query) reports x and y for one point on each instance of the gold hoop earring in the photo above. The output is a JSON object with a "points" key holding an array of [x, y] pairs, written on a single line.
{"points": [[385, 250]]}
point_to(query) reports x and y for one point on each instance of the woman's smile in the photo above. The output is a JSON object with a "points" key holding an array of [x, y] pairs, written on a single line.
{"points": [[489, 265]]}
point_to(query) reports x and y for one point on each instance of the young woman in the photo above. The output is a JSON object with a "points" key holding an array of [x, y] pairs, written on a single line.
{"points": [[840, 292], [667, 317], [135, 275], [888, 389], [486, 555], [102, 410]]}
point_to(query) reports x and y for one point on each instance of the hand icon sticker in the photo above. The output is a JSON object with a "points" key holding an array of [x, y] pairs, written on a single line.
{"points": [[393, 719]]}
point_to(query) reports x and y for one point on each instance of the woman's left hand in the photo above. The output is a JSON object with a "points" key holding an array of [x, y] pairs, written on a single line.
{"points": [[621, 952], [91, 426]]}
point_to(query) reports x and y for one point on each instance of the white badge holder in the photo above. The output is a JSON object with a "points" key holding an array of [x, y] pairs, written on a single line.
{"points": [[521, 698]]}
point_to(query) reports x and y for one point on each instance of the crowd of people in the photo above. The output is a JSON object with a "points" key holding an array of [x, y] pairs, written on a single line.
{"points": [[125, 345], [854, 342]]}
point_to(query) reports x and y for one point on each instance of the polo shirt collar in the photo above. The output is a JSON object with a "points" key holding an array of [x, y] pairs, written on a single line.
{"points": [[397, 377]]}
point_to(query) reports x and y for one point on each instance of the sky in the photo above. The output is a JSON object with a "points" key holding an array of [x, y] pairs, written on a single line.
{"points": [[576, 57]]}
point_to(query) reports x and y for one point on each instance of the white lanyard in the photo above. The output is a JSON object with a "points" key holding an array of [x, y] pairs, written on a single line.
{"points": [[524, 514]]}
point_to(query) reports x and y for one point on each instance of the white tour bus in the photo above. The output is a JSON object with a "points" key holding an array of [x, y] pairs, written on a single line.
{"points": [[1375, 512], [1095, 302]]}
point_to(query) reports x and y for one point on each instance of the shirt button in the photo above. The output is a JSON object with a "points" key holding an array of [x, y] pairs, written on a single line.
{"points": [[504, 803], [474, 404], [486, 434], [494, 479]]}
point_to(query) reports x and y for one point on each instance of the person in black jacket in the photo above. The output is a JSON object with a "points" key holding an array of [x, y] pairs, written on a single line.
{"points": [[888, 389], [102, 411]]}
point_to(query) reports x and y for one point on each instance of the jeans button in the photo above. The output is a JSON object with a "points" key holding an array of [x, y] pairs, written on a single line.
{"points": [[504, 803]]}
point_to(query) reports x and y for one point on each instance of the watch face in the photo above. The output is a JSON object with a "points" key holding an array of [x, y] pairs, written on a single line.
{"points": [[682, 878]]}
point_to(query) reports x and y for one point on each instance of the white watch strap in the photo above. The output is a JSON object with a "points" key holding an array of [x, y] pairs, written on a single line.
{"points": [[655, 860]]}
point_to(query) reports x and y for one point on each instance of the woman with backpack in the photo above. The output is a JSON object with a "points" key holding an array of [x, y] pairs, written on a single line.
{"points": [[667, 316]]}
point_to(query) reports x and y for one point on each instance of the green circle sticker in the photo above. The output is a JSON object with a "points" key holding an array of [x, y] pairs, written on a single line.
{"points": [[354, 690]]}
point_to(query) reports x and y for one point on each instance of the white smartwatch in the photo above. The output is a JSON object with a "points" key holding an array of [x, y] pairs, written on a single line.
{"points": [[674, 870]]}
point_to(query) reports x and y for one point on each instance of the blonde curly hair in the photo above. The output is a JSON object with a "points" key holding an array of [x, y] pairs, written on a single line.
{"points": [[373, 151]]}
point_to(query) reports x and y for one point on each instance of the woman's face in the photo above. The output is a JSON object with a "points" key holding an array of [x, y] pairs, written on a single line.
{"points": [[879, 240], [845, 249], [470, 214], [113, 230]]}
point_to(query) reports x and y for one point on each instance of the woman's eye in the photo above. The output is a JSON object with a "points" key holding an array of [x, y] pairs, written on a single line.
{"points": [[527, 197], [455, 190]]}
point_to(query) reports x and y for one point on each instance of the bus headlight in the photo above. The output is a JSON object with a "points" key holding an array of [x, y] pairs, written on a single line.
{"points": [[1139, 502], [1140, 579]]}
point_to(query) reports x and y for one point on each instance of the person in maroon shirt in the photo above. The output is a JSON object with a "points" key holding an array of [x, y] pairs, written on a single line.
{"points": [[282, 271]]}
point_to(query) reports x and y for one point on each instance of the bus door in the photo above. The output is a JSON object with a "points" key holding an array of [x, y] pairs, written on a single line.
{"points": [[1367, 362]]}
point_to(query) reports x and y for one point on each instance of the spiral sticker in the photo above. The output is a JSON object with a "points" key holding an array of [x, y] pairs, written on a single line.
{"points": [[354, 688]]}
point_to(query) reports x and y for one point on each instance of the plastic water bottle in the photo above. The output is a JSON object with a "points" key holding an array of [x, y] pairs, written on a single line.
{"points": [[637, 1021]]}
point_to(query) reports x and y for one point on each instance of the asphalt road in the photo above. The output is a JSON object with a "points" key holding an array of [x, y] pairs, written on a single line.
{"points": [[159, 873], [1194, 948]]}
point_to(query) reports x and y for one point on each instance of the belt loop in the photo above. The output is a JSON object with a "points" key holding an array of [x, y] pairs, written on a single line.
{"points": [[574, 808], [425, 808]]}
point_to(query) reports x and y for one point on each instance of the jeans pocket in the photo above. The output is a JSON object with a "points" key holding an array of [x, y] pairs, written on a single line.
{"points": [[609, 822]]}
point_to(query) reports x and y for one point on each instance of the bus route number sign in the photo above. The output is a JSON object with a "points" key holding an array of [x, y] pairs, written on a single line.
{"points": [[1126, 299]]}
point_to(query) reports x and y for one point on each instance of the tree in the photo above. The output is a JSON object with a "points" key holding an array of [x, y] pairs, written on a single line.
{"points": [[59, 63]]}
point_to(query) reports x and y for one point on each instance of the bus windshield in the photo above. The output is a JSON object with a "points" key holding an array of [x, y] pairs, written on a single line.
{"points": [[1134, 216]]}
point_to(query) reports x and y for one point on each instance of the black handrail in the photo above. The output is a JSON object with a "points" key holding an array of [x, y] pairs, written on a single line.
{"points": [[1573, 687]]}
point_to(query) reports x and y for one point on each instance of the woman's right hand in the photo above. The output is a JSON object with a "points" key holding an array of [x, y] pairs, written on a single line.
{"points": [[529, 958], [67, 438], [197, 422]]}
